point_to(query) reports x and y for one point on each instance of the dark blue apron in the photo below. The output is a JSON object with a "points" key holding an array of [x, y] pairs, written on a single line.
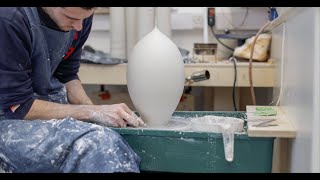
{"points": [[49, 48], [66, 145]]}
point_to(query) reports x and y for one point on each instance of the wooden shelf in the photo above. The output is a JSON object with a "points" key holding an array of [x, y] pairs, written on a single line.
{"points": [[221, 74], [284, 128]]}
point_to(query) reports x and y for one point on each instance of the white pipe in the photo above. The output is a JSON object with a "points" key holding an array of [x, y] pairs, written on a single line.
{"points": [[145, 21], [163, 20], [131, 28], [118, 34]]}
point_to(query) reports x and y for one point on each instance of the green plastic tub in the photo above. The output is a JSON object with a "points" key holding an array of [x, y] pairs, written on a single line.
{"points": [[198, 152]]}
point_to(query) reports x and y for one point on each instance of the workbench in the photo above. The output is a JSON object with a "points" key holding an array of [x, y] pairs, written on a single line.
{"points": [[221, 74], [203, 152]]}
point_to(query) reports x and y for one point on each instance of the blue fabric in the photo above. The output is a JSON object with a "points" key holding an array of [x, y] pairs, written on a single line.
{"points": [[35, 61], [1, 115], [63, 146]]}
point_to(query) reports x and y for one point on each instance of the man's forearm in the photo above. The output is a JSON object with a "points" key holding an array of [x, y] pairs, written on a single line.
{"points": [[116, 115], [48, 110], [76, 93]]}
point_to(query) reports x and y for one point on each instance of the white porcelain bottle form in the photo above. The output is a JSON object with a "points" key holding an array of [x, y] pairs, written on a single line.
{"points": [[155, 77]]}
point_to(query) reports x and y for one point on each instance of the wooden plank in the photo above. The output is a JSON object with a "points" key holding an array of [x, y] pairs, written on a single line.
{"points": [[221, 74], [284, 128], [103, 74], [281, 156]]}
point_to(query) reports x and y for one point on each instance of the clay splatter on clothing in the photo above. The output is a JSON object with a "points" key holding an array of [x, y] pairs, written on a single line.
{"points": [[5, 166], [64, 145]]}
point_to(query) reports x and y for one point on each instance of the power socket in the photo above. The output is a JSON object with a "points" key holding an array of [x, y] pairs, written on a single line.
{"points": [[197, 21], [211, 16]]}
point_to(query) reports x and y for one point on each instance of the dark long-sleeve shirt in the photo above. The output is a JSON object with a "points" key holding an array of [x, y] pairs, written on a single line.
{"points": [[16, 85]]}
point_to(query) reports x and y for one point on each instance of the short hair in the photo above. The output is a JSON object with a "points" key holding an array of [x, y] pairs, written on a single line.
{"points": [[87, 8]]}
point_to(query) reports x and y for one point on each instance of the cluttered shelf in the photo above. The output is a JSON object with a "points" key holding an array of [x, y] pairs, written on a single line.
{"points": [[221, 74]]}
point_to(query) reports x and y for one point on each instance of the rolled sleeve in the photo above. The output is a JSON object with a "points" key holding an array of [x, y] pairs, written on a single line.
{"points": [[21, 111]]}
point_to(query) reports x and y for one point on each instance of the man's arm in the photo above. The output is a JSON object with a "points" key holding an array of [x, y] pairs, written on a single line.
{"points": [[48, 110], [16, 88], [116, 115], [16, 92], [76, 93]]}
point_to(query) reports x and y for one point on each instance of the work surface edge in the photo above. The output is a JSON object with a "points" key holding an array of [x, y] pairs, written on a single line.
{"points": [[284, 128], [221, 74]]}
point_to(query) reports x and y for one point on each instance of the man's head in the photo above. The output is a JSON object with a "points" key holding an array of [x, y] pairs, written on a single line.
{"points": [[68, 18]]}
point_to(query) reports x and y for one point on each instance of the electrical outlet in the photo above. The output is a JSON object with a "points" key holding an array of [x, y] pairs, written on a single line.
{"points": [[197, 21], [211, 17]]}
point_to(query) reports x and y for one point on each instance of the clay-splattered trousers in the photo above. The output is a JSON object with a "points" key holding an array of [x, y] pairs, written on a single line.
{"points": [[65, 146]]}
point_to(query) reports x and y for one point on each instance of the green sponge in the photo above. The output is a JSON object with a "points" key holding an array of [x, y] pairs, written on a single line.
{"points": [[265, 111]]}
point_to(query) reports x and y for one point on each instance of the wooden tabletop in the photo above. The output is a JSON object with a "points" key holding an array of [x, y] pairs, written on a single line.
{"points": [[282, 127], [221, 74]]}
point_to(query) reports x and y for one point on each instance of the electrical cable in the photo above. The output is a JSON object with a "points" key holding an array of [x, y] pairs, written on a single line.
{"points": [[214, 34], [282, 66], [234, 83], [235, 68], [245, 17], [253, 96], [282, 82]]}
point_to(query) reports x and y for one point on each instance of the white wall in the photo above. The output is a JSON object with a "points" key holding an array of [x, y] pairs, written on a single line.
{"points": [[99, 40], [300, 98], [315, 166], [187, 27], [184, 34]]}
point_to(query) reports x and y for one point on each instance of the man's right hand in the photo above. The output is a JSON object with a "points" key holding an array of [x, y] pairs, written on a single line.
{"points": [[115, 115]]}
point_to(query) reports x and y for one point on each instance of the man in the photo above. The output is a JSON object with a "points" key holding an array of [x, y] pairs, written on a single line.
{"points": [[45, 108]]}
